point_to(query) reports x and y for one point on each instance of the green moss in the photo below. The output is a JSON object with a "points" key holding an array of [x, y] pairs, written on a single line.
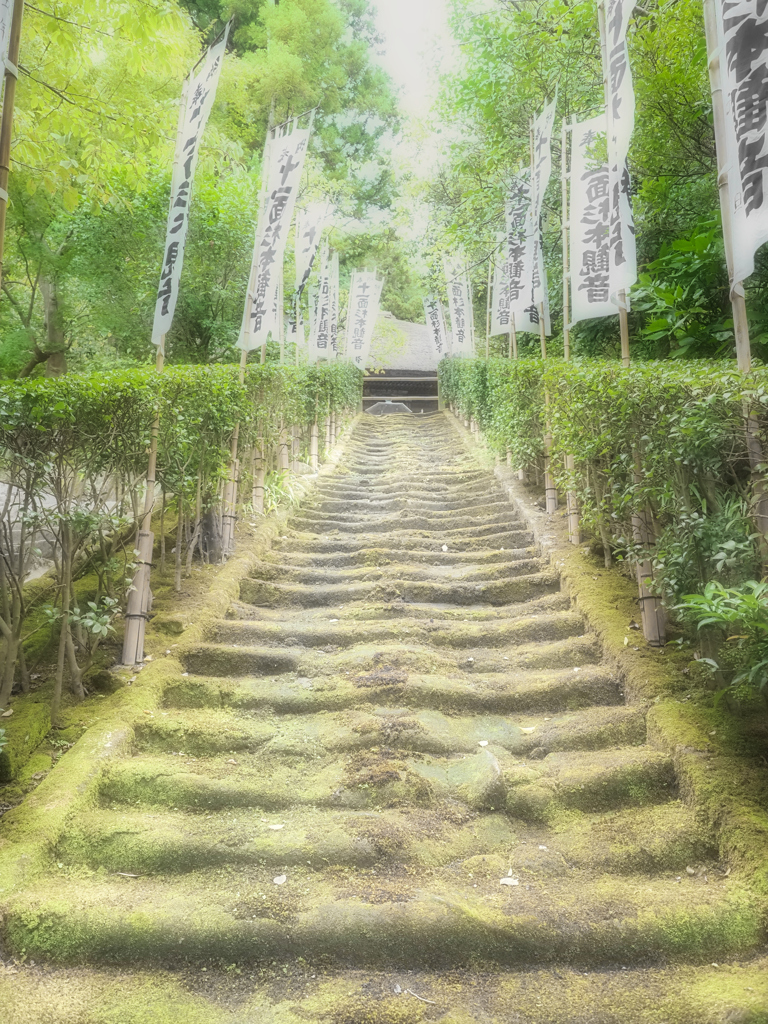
{"points": [[25, 729]]}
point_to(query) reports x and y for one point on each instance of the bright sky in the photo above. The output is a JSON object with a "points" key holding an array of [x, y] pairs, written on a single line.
{"points": [[412, 31]]}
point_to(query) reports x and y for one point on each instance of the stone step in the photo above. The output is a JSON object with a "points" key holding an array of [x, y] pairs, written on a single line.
{"points": [[220, 660], [404, 540], [205, 732], [453, 525], [664, 839], [375, 556], [276, 572], [383, 920], [368, 611], [546, 626], [499, 693], [287, 993], [495, 592]]}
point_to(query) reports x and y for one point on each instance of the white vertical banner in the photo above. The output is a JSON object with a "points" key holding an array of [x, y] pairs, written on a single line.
{"points": [[433, 312], [541, 172], [364, 295], [590, 220], [742, 29], [460, 309], [197, 103], [621, 122], [287, 149], [310, 224]]}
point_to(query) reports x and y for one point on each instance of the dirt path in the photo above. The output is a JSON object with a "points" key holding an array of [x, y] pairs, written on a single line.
{"points": [[394, 784]]}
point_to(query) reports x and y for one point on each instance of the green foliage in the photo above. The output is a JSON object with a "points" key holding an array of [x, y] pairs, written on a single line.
{"points": [[742, 614]]}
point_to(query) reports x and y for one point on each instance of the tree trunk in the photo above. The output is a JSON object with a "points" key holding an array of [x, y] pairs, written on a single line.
{"points": [[56, 344]]}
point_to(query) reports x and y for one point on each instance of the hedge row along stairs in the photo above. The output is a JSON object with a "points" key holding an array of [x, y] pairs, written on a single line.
{"points": [[396, 782]]}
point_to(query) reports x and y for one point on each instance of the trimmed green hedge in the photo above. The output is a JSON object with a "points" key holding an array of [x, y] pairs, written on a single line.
{"points": [[681, 425]]}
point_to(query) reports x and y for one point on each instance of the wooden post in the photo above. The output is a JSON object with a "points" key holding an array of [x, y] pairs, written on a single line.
{"points": [[513, 337], [258, 470], [139, 597], [229, 510], [6, 126], [313, 446]]}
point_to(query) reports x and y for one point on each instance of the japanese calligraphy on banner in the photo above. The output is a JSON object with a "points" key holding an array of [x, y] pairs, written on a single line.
{"points": [[501, 309], [334, 307], [197, 101], [321, 334], [433, 312], [742, 28], [460, 308], [285, 163], [590, 218], [364, 294], [309, 229], [621, 122], [518, 249]]}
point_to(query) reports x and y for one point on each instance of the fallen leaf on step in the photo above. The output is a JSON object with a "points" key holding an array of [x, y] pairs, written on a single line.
{"points": [[148, 657], [125, 874], [509, 881], [276, 828], [530, 728], [280, 879], [7, 714], [445, 547], [626, 640], [483, 743], [231, 760], [397, 990], [690, 871], [543, 847], [333, 620]]}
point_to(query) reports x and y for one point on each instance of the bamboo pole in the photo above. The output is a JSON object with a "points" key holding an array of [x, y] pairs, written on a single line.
{"points": [[139, 596], [313, 446], [6, 126], [574, 532], [488, 309]]}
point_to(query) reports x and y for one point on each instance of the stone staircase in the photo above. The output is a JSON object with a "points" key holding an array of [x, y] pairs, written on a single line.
{"points": [[398, 779]]}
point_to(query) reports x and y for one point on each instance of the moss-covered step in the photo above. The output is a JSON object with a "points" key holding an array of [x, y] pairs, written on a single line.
{"points": [[397, 556], [387, 920], [404, 540], [495, 592], [127, 840], [503, 693], [436, 632], [422, 730], [332, 659], [453, 526], [589, 781], [369, 611], [286, 993], [280, 572]]}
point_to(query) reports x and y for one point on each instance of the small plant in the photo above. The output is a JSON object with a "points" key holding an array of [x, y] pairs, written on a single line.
{"points": [[742, 614], [3, 740]]}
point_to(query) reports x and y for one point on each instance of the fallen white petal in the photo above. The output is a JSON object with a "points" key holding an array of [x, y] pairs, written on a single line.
{"points": [[280, 879], [276, 828], [483, 743], [509, 881]]}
